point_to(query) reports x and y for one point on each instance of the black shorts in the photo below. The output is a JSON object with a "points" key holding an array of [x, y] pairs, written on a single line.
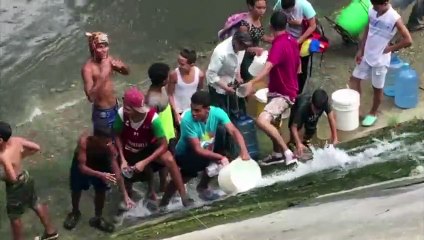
{"points": [[132, 159], [80, 181], [190, 164]]}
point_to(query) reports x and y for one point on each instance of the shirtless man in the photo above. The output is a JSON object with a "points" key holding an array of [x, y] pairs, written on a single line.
{"points": [[95, 163], [97, 76], [20, 190]]}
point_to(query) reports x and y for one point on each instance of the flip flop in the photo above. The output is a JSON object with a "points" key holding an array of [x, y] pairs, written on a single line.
{"points": [[369, 120], [71, 220], [208, 195]]}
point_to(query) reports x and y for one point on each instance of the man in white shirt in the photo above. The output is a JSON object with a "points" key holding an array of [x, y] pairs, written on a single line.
{"points": [[373, 56], [222, 74]]}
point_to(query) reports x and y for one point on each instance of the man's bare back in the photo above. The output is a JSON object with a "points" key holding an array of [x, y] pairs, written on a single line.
{"points": [[11, 156]]}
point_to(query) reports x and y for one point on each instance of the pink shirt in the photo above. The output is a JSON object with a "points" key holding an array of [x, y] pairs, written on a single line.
{"points": [[285, 58]]}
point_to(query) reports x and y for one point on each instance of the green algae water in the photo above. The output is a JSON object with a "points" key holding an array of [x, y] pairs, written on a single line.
{"points": [[387, 154]]}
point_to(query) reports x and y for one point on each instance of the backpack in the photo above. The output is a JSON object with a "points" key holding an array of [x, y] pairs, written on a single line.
{"points": [[232, 25], [318, 42]]}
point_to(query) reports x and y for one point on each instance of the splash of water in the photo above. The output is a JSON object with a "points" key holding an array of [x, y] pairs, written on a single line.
{"points": [[326, 158], [331, 157]]}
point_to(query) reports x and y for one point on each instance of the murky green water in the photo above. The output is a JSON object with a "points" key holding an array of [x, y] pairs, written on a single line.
{"points": [[42, 48]]}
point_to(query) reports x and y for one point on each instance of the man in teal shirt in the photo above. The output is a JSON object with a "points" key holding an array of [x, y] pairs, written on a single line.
{"points": [[194, 151]]}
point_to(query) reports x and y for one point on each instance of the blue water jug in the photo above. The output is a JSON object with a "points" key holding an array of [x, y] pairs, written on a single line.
{"points": [[392, 74], [247, 128], [406, 87]]}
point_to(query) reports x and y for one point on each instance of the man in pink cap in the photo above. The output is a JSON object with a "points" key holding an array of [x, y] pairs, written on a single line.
{"points": [[97, 76], [142, 144]]}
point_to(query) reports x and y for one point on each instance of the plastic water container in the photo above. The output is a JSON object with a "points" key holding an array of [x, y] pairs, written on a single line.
{"points": [[346, 108], [392, 74], [261, 99], [354, 17], [406, 87], [258, 64], [239, 176], [247, 127]]}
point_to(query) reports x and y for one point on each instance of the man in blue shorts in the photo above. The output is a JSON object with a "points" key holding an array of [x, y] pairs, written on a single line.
{"points": [[97, 76]]}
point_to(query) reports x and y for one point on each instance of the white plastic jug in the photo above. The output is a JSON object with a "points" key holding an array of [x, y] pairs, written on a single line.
{"points": [[239, 176], [258, 64]]}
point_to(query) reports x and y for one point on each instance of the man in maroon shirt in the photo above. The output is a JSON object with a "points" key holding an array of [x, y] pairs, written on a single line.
{"points": [[282, 66]]}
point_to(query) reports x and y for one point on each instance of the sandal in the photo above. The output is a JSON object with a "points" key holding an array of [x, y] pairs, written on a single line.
{"points": [[71, 220], [45, 236], [369, 120], [208, 195], [101, 224]]}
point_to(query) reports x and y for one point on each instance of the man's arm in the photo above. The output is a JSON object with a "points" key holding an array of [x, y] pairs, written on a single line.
{"points": [[295, 132], [406, 38], [201, 80], [235, 133], [82, 159], [8, 170], [310, 14], [262, 76], [361, 48], [173, 78], [332, 123], [205, 153], [162, 143], [120, 67], [29, 147], [87, 77], [312, 26]]}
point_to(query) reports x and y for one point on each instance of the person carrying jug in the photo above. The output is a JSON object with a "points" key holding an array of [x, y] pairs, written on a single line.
{"points": [[373, 56], [282, 66], [303, 121]]}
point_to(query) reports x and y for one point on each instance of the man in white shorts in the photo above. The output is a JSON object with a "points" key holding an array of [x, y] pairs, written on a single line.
{"points": [[373, 56]]}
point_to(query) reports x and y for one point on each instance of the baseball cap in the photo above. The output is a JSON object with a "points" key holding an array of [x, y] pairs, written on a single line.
{"points": [[134, 98]]}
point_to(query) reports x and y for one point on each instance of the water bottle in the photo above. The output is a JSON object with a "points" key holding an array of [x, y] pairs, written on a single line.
{"points": [[213, 169], [407, 87], [392, 74], [128, 172]]}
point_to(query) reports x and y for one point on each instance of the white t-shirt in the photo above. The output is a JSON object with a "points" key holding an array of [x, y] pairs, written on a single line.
{"points": [[381, 31]]}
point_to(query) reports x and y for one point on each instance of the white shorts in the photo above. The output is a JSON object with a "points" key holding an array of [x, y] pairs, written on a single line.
{"points": [[377, 75]]}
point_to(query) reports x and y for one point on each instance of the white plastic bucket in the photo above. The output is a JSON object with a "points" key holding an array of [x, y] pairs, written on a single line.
{"points": [[258, 64], [262, 98], [346, 108], [239, 176]]}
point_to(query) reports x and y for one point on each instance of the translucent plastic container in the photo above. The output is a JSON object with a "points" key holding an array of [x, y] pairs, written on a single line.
{"points": [[407, 87]]}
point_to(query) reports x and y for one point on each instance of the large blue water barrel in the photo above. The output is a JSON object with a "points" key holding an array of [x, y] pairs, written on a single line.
{"points": [[392, 74], [407, 87], [247, 128]]}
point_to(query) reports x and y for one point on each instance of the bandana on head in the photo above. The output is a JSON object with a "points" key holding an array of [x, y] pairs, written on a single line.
{"points": [[95, 38]]}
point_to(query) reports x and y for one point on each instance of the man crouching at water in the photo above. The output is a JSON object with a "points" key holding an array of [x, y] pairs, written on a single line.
{"points": [[195, 148], [305, 114], [20, 190], [142, 144], [95, 163], [98, 84]]}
